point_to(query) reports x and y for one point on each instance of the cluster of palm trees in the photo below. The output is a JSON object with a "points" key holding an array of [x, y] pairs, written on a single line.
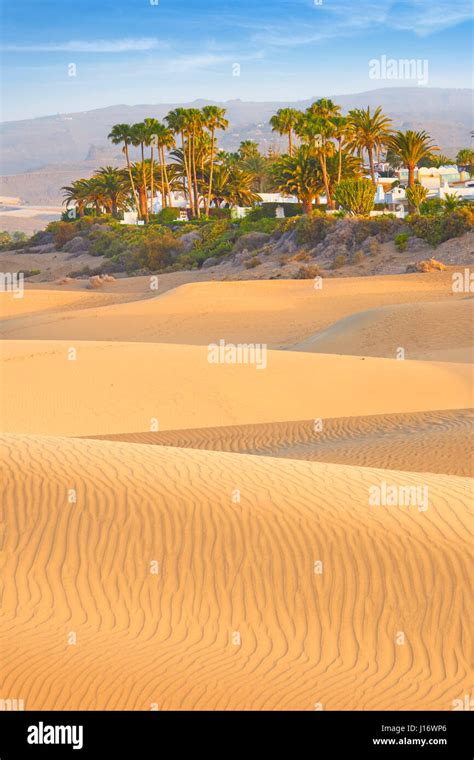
{"points": [[332, 147], [180, 154], [196, 168]]}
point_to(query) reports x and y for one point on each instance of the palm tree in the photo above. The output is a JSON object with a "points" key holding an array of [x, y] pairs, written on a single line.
{"points": [[140, 138], [284, 122], [411, 147], [178, 123], [163, 139], [316, 131], [152, 126], [122, 133], [342, 133], [194, 121], [111, 180], [452, 202], [416, 195], [233, 186], [213, 119], [78, 193], [370, 132], [300, 175]]}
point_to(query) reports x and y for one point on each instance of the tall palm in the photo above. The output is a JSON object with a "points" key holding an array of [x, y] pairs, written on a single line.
{"points": [[163, 139], [370, 132], [342, 134], [123, 133], [178, 122], [140, 138], [411, 147], [213, 119], [284, 122], [152, 126], [316, 131], [194, 123]]}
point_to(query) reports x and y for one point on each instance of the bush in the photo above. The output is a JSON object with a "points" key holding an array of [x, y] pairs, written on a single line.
{"points": [[31, 272], [313, 228], [374, 247], [437, 229], [12, 241], [358, 257], [431, 207], [308, 272], [167, 215], [401, 241], [159, 249], [268, 211], [339, 261], [302, 256], [253, 262]]}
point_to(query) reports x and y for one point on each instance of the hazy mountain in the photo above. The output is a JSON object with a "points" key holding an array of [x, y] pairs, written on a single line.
{"points": [[53, 150]]}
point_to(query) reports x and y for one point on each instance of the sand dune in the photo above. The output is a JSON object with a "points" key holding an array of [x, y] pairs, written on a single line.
{"points": [[438, 442], [123, 387], [435, 331], [279, 313], [227, 569]]}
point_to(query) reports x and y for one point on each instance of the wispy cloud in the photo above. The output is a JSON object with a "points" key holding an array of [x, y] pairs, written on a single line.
{"points": [[125, 45], [345, 18]]}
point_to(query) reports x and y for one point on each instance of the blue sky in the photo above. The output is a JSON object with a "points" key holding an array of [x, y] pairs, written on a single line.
{"points": [[136, 51]]}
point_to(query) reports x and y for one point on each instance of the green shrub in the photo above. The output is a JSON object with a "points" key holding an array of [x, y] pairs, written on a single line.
{"points": [[401, 241], [358, 257], [312, 228], [437, 229], [167, 215]]}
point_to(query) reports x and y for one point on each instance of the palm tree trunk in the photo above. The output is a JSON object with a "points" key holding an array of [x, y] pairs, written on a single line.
{"points": [[290, 142], [307, 205], [163, 191], [194, 168], [325, 180], [132, 183], [151, 180], [144, 180], [211, 174], [372, 166], [339, 168], [411, 175], [189, 176], [167, 184]]}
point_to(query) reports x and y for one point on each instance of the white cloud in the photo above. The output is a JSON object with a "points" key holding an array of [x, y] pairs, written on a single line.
{"points": [[346, 18], [125, 45]]}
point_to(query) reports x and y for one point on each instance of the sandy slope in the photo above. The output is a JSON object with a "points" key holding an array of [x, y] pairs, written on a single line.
{"points": [[122, 387], [280, 313], [227, 567], [418, 442], [437, 331]]}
